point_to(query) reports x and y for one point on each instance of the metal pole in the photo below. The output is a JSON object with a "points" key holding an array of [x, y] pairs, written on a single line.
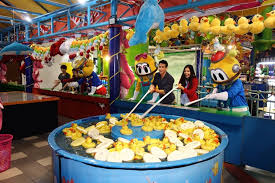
{"points": [[28, 72], [89, 15], [27, 35], [114, 49]]}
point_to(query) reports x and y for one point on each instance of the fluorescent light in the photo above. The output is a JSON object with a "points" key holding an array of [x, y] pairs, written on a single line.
{"points": [[82, 1], [267, 63]]}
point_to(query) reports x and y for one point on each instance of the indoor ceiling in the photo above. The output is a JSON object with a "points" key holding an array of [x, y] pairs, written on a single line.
{"points": [[35, 6]]}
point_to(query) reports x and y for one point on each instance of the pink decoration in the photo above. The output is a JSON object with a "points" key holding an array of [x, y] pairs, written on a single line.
{"points": [[3, 71], [35, 73], [126, 73]]}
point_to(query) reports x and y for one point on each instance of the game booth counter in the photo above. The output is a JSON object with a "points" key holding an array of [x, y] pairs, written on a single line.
{"points": [[111, 71]]}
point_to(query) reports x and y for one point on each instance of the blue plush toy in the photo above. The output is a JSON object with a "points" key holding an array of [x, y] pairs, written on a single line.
{"points": [[150, 16]]}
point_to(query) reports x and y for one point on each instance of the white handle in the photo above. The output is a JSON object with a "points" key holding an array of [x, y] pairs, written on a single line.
{"points": [[189, 103], [158, 102], [137, 104]]}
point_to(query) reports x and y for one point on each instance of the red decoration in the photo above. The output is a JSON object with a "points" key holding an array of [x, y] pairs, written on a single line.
{"points": [[217, 57], [54, 50], [100, 47], [92, 48], [72, 56], [81, 53], [88, 51], [87, 56]]}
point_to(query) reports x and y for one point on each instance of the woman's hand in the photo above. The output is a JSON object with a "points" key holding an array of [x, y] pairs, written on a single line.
{"points": [[180, 86]]}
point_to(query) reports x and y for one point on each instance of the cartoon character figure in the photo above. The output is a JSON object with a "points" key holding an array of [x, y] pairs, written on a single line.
{"points": [[126, 72], [89, 80], [150, 16], [145, 69], [225, 72], [35, 73]]}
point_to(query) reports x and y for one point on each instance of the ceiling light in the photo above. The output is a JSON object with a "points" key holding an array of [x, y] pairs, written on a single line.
{"points": [[28, 18], [82, 1]]}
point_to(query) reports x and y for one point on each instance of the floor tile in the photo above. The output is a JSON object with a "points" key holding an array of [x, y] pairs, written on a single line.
{"points": [[45, 161], [12, 172], [227, 178], [19, 179], [18, 155], [41, 144], [30, 138], [47, 178]]}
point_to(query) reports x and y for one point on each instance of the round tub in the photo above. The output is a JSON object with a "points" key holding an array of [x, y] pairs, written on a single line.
{"points": [[72, 168]]}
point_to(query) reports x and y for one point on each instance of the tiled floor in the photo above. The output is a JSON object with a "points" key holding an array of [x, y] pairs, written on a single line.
{"points": [[32, 163]]}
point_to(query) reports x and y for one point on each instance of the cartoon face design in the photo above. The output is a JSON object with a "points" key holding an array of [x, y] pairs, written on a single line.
{"points": [[145, 65], [226, 70], [84, 67]]}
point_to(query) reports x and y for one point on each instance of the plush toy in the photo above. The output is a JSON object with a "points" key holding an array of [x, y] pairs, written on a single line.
{"points": [[3, 71], [183, 28], [230, 26], [54, 49], [270, 21], [257, 25], [89, 80], [204, 25], [145, 69], [243, 26], [225, 73], [150, 16], [126, 72], [194, 24], [35, 73], [175, 31], [215, 27]]}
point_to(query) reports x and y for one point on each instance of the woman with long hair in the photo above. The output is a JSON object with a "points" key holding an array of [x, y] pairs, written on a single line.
{"points": [[188, 84]]}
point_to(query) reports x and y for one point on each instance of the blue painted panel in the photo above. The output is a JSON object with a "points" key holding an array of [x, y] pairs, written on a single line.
{"points": [[259, 143], [75, 171]]}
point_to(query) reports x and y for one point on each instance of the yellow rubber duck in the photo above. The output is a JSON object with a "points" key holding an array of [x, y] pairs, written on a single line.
{"points": [[147, 128], [108, 116], [118, 146], [105, 129], [194, 24], [215, 26], [147, 139], [126, 131], [101, 124], [137, 122], [204, 25], [257, 25], [123, 122], [183, 28], [270, 21], [130, 33], [88, 143], [243, 26]]}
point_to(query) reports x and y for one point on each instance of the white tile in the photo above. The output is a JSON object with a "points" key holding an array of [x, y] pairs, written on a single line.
{"points": [[45, 161], [10, 173], [19, 155], [30, 138], [40, 144]]}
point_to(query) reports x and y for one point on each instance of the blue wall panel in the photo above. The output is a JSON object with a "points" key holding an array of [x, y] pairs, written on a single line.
{"points": [[259, 143]]}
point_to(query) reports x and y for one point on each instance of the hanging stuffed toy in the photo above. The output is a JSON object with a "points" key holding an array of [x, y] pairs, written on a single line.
{"points": [[150, 16], [145, 69], [3, 71], [126, 72], [35, 73], [225, 73], [270, 21]]}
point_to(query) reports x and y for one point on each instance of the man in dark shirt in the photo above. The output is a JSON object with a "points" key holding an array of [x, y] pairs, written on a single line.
{"points": [[62, 77], [163, 83]]}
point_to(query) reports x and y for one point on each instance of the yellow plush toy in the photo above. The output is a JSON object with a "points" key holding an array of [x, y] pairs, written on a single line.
{"points": [[194, 24], [204, 25], [243, 26], [183, 28], [175, 31], [258, 25], [270, 21], [215, 27], [145, 69]]}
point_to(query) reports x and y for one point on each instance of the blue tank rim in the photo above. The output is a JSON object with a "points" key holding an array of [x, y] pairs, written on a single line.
{"points": [[137, 166]]}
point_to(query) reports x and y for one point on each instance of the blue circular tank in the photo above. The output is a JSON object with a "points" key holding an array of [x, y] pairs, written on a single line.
{"points": [[74, 168]]}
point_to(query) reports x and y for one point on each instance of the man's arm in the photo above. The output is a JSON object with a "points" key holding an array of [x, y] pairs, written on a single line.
{"points": [[167, 87]]}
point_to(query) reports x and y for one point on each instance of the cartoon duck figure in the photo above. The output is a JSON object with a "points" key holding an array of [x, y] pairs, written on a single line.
{"points": [[270, 21], [243, 26], [126, 131], [228, 27], [225, 73], [145, 69], [257, 25], [88, 143], [175, 31], [204, 25], [194, 24]]}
